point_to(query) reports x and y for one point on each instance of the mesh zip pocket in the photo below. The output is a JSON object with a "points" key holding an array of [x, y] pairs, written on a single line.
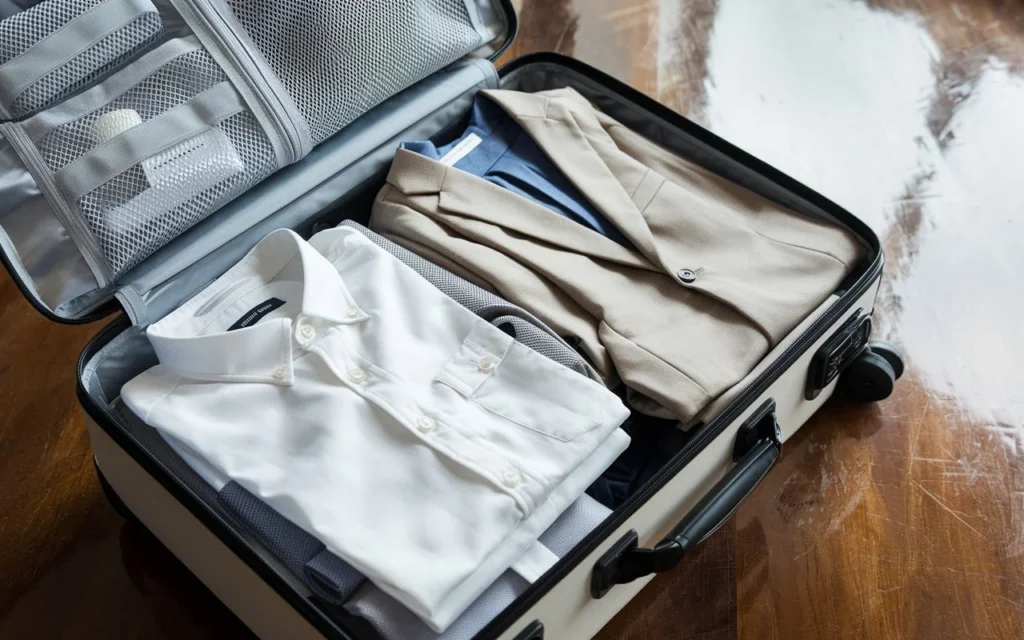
{"points": [[59, 46], [158, 157], [339, 59]]}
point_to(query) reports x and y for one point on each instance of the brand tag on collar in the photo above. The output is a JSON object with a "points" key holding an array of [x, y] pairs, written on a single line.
{"points": [[254, 315]]}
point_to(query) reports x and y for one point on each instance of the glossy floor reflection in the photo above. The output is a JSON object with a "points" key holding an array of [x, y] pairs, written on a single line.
{"points": [[901, 520]]}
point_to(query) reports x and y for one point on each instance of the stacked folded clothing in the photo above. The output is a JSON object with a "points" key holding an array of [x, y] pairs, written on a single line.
{"points": [[416, 441]]}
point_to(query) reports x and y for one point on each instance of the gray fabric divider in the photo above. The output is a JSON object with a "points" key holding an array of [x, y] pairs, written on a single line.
{"points": [[101, 95], [62, 45], [115, 156]]}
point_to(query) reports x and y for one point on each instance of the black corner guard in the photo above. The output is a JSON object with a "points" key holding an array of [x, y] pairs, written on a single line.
{"points": [[533, 631], [758, 445]]}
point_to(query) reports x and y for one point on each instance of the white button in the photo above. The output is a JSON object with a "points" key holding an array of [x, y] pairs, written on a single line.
{"points": [[352, 312], [511, 478], [357, 375], [280, 373], [425, 424], [486, 363], [307, 331]]}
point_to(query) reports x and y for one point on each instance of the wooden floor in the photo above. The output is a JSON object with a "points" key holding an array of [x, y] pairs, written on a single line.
{"points": [[900, 520]]}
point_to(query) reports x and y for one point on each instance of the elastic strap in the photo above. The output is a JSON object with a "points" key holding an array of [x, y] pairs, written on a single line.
{"points": [[71, 40], [174, 126]]}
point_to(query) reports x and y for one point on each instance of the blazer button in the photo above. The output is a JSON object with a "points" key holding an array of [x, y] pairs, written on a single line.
{"points": [[687, 275]]}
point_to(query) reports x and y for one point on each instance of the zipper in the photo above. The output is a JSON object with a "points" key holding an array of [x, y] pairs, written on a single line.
{"points": [[211, 25]]}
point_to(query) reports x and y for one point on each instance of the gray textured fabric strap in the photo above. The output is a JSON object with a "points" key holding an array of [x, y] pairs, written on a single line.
{"points": [[101, 95], [62, 45], [327, 575], [117, 155], [133, 305]]}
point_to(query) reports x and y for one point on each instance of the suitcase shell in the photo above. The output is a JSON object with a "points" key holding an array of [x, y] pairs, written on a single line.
{"points": [[700, 488]]}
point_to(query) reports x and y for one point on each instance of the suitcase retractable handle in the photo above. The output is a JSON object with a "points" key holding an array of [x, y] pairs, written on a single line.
{"points": [[758, 445]]}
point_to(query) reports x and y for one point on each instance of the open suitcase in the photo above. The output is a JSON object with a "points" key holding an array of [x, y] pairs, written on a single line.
{"points": [[382, 73]]}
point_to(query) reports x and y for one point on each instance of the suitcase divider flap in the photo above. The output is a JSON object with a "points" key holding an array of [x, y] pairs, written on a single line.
{"points": [[120, 185]]}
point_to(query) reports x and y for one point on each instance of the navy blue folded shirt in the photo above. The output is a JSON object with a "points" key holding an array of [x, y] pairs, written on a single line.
{"points": [[498, 150]]}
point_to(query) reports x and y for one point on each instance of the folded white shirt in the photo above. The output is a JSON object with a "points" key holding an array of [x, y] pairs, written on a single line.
{"points": [[418, 442]]}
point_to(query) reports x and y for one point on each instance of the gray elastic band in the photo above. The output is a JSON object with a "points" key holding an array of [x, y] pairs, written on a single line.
{"points": [[133, 305], [101, 95], [115, 156], [62, 45]]}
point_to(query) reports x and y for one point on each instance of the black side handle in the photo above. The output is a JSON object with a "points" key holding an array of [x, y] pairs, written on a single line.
{"points": [[758, 445]]}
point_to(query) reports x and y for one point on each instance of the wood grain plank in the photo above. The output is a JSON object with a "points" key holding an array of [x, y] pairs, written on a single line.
{"points": [[900, 520]]}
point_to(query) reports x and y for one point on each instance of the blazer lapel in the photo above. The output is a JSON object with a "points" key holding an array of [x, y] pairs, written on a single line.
{"points": [[559, 123], [473, 197]]}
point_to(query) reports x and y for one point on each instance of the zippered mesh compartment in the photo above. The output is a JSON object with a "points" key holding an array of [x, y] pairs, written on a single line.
{"points": [[339, 59], [22, 33], [152, 203], [134, 210]]}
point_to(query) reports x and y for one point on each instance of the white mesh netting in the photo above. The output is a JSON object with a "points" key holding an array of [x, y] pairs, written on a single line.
{"points": [[339, 59]]}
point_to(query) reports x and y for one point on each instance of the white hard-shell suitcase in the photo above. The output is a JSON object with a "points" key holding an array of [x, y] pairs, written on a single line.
{"points": [[73, 273]]}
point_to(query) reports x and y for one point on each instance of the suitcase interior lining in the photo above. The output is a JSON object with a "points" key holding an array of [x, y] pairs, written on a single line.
{"points": [[352, 190], [36, 234]]}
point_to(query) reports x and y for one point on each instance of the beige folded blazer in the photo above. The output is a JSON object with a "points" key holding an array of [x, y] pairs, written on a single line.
{"points": [[718, 276]]}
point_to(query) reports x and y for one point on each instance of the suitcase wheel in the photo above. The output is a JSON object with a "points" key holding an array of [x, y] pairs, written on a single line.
{"points": [[870, 377], [891, 353]]}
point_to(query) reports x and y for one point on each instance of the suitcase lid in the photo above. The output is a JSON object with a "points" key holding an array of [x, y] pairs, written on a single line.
{"points": [[43, 255]]}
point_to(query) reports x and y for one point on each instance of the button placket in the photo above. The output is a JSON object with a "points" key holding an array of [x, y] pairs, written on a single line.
{"points": [[486, 364]]}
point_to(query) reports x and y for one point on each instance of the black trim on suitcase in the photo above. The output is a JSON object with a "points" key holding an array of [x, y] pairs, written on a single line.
{"points": [[533, 631], [869, 273], [511, 26]]}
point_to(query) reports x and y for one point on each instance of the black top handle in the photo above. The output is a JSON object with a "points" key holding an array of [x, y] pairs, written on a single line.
{"points": [[758, 446]]}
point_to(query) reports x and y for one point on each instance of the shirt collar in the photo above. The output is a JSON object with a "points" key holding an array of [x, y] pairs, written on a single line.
{"points": [[262, 352]]}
